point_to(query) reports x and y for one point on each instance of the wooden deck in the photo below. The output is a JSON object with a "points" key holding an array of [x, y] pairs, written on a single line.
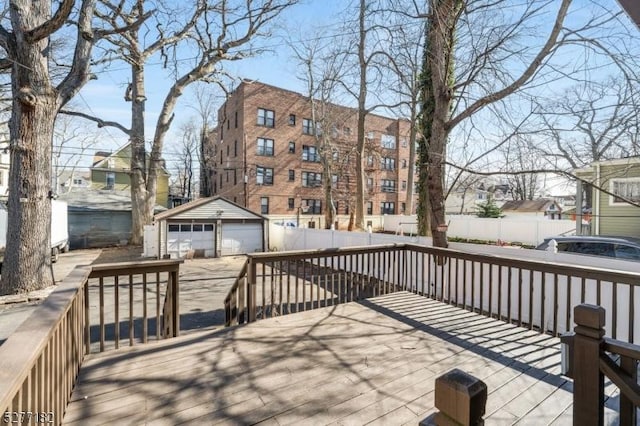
{"points": [[356, 363]]}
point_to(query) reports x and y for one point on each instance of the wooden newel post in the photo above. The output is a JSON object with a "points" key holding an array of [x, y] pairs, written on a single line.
{"points": [[588, 382], [461, 399]]}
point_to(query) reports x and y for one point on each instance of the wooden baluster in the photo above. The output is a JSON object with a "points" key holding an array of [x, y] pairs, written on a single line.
{"points": [[588, 384], [628, 415]]}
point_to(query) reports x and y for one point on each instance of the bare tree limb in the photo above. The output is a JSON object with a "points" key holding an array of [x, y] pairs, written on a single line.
{"points": [[52, 25], [101, 123]]}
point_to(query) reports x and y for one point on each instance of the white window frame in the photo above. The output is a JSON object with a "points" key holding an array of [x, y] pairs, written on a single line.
{"points": [[388, 141], [612, 184], [266, 117], [264, 147]]}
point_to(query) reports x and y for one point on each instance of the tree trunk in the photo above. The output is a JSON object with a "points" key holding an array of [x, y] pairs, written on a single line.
{"points": [[27, 261], [140, 214], [437, 82], [362, 101]]}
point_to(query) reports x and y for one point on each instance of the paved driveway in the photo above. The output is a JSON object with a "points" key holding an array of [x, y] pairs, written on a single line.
{"points": [[204, 284]]}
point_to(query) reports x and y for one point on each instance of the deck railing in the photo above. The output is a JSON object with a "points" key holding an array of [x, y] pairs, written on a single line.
{"points": [[274, 284], [40, 361], [592, 357], [535, 294]]}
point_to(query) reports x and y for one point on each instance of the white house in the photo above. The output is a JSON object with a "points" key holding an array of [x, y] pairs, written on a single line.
{"points": [[541, 208]]}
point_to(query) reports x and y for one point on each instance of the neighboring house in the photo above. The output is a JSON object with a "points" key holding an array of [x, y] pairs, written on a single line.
{"points": [[465, 200], [266, 157], [611, 215], [99, 218], [112, 172], [541, 208], [72, 180], [208, 227]]}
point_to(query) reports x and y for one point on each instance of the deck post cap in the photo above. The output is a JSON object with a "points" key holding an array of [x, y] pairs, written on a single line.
{"points": [[461, 397], [591, 316]]}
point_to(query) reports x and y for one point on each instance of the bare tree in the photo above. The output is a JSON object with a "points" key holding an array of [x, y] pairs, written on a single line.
{"points": [[323, 68], [475, 58], [212, 31], [185, 156], [38, 95], [71, 141], [521, 155]]}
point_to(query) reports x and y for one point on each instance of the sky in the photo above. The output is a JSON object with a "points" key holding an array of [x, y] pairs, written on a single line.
{"points": [[104, 97]]}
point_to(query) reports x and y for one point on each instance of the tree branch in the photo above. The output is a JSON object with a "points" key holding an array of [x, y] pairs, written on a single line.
{"points": [[526, 75], [101, 123], [52, 25]]}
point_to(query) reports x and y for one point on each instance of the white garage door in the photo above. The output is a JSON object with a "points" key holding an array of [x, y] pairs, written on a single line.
{"points": [[240, 238], [186, 236]]}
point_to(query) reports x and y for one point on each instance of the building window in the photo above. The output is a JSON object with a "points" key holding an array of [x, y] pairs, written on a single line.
{"points": [[370, 207], [291, 203], [334, 181], [265, 147], [235, 148], [266, 117], [311, 179], [227, 173], [388, 141], [236, 119], [387, 163], [227, 151], [628, 188], [264, 205], [235, 177], [369, 160], [292, 119], [312, 206], [370, 184], [292, 175], [292, 147], [307, 126], [403, 207], [111, 180], [310, 153], [388, 185], [264, 175], [404, 163], [387, 207], [75, 181], [404, 185], [403, 143]]}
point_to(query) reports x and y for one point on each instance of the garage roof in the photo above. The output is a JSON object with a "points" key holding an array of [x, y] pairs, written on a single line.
{"points": [[207, 209]]}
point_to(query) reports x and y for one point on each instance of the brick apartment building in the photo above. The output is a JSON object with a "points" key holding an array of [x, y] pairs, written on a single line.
{"points": [[266, 155]]}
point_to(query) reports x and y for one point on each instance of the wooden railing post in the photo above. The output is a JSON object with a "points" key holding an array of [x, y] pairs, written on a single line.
{"points": [[251, 291], [461, 399], [588, 384], [175, 282]]}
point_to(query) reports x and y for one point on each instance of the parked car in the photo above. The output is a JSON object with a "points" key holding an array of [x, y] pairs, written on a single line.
{"points": [[626, 248]]}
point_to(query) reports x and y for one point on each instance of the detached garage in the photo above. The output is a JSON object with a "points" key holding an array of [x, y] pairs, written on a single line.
{"points": [[209, 227]]}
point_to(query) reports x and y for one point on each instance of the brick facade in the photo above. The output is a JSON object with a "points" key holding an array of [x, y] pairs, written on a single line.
{"points": [[263, 151]]}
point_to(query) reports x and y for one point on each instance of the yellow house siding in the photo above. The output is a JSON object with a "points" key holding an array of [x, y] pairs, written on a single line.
{"points": [[618, 218], [120, 164]]}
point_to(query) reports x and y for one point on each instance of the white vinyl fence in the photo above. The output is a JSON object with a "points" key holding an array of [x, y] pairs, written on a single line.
{"points": [[529, 231], [523, 285]]}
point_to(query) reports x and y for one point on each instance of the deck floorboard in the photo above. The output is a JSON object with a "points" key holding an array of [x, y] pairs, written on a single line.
{"points": [[373, 362]]}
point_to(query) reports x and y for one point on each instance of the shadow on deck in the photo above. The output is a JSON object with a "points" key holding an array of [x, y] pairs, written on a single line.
{"points": [[374, 361]]}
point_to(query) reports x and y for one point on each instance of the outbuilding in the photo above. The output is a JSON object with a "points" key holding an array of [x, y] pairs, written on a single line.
{"points": [[208, 227]]}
